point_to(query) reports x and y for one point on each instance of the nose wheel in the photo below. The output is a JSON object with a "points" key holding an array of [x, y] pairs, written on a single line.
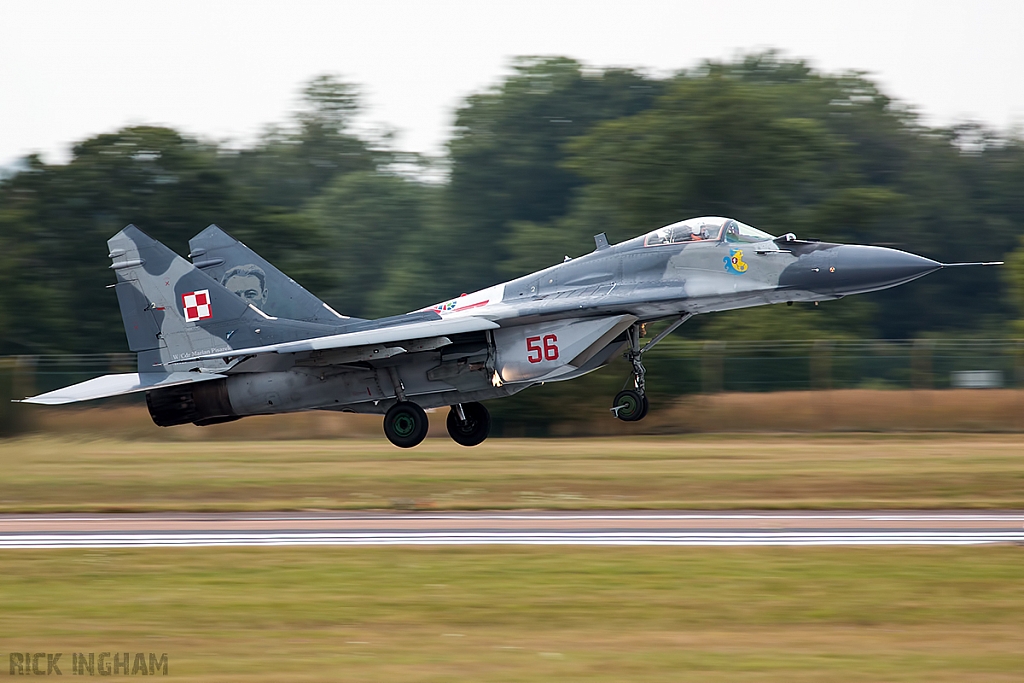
{"points": [[631, 405]]}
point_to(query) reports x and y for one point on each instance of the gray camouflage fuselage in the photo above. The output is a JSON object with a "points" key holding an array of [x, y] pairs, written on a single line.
{"points": [[633, 279], [665, 280]]}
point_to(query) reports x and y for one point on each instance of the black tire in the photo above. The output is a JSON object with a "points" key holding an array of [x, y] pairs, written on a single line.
{"points": [[634, 406], [647, 406], [405, 424], [476, 427]]}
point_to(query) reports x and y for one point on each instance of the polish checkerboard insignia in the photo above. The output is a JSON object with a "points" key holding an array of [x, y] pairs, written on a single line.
{"points": [[196, 305]]}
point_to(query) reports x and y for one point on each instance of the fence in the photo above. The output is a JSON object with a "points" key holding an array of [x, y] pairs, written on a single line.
{"points": [[22, 376], [713, 366]]}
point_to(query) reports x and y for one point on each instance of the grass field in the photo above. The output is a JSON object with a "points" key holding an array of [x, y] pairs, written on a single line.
{"points": [[529, 614], [766, 471]]}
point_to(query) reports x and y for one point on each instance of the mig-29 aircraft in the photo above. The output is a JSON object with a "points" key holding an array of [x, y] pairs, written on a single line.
{"points": [[229, 335]]}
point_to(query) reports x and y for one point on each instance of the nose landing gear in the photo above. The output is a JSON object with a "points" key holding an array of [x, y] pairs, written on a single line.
{"points": [[631, 405]]}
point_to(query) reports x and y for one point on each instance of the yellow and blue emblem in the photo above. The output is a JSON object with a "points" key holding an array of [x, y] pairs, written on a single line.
{"points": [[734, 262]]}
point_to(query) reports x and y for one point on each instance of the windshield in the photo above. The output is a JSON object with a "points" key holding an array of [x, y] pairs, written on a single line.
{"points": [[692, 230], [705, 228], [738, 232]]}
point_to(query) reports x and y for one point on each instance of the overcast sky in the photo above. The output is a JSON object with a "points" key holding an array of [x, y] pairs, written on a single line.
{"points": [[221, 69]]}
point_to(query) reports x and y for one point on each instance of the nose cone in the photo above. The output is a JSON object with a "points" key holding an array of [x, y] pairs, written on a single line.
{"points": [[866, 269]]}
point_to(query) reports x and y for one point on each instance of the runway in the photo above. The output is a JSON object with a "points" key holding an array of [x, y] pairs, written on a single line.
{"points": [[752, 528]]}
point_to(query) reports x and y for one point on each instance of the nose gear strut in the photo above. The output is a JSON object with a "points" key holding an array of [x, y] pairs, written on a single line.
{"points": [[630, 405]]}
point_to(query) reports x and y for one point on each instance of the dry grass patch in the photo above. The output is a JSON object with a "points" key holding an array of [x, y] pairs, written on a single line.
{"points": [[774, 471]]}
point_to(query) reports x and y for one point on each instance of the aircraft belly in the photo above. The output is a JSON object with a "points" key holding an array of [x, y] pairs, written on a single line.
{"points": [[339, 387], [437, 399], [599, 360], [299, 389]]}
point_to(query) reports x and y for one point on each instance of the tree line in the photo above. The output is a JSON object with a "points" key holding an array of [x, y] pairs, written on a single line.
{"points": [[536, 165]]}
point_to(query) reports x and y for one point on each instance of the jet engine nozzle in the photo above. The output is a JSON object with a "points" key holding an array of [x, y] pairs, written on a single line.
{"points": [[860, 268]]}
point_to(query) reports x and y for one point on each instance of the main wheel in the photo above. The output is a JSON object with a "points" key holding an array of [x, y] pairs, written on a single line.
{"points": [[474, 430], [633, 406], [405, 424]]}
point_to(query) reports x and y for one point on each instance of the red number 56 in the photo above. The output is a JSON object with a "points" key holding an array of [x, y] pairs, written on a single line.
{"points": [[542, 349]]}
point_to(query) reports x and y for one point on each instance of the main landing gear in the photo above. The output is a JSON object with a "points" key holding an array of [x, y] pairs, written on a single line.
{"points": [[631, 405], [405, 424], [468, 423]]}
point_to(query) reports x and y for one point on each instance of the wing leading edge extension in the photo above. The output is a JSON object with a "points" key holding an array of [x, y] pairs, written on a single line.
{"points": [[384, 335]]}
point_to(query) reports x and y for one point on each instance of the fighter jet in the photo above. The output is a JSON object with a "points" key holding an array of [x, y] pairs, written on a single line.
{"points": [[229, 335]]}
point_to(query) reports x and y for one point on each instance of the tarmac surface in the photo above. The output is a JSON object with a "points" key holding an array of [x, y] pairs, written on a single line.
{"points": [[691, 528]]}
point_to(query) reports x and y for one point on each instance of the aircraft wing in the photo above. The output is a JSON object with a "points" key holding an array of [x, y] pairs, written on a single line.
{"points": [[115, 385], [381, 335]]}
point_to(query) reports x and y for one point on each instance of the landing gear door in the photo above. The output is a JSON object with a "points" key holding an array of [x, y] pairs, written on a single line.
{"points": [[544, 351]]}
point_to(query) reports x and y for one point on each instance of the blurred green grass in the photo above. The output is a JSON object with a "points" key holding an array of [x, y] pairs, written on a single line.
{"points": [[530, 614], [705, 471]]}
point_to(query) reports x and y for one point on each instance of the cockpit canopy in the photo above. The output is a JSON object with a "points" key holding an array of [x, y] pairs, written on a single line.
{"points": [[707, 228]]}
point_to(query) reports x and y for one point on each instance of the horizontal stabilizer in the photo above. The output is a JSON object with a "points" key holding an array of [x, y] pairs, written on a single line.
{"points": [[116, 385], [383, 335]]}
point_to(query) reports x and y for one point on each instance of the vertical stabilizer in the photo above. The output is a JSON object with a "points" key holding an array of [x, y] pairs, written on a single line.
{"points": [[173, 312], [253, 278]]}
